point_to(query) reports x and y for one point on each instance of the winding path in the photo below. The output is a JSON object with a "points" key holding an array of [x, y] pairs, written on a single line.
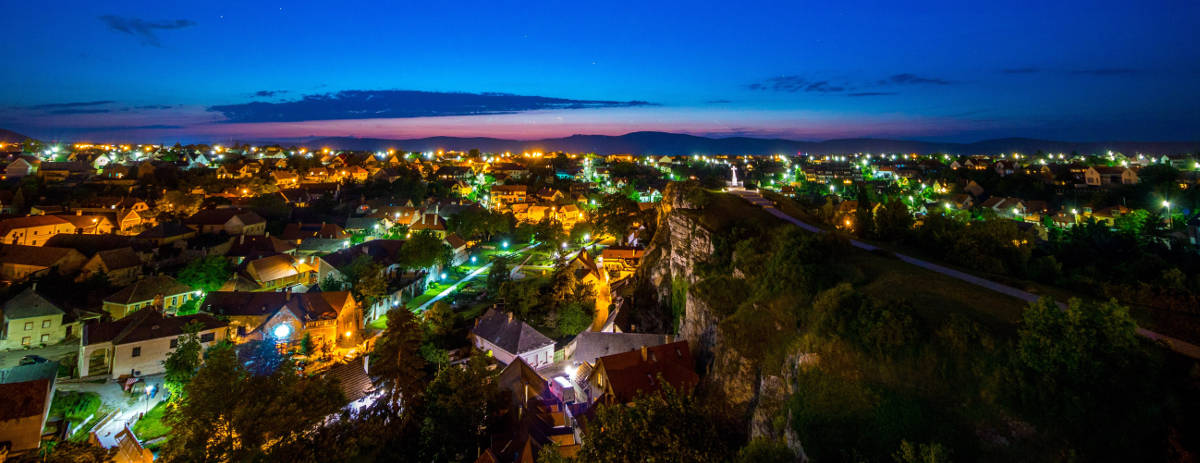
{"points": [[474, 273], [1177, 345]]}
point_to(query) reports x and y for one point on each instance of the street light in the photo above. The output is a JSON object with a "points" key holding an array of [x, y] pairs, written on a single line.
{"points": [[1170, 221]]}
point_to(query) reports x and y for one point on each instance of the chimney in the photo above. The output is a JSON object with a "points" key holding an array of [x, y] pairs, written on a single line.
{"points": [[644, 353]]}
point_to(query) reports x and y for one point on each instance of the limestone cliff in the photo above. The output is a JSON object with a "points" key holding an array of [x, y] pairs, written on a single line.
{"points": [[664, 302]]}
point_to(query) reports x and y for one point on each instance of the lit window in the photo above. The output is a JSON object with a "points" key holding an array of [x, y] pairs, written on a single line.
{"points": [[28, 326], [45, 323], [45, 338]]}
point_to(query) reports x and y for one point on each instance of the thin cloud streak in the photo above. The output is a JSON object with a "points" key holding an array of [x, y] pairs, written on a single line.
{"points": [[145, 31]]}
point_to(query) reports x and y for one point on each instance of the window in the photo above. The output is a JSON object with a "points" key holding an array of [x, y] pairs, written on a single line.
{"points": [[45, 338], [137, 352], [207, 337], [28, 326], [25, 341], [45, 323], [174, 343]]}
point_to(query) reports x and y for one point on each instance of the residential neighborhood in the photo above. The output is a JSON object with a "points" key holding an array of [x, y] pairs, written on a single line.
{"points": [[527, 273]]}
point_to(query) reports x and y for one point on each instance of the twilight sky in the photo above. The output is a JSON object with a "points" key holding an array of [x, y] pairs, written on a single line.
{"points": [[956, 71]]}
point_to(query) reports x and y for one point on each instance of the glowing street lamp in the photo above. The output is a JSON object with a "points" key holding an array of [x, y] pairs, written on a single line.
{"points": [[504, 244], [1170, 221]]}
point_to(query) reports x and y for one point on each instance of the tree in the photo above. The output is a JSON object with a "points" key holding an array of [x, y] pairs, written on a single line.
{"points": [[18, 200], [397, 362], [921, 453], [234, 412], [439, 319], [68, 452], [457, 406], [573, 318], [1068, 360], [306, 344], [183, 363], [498, 274], [765, 451], [424, 250], [616, 215], [207, 274], [669, 426]]}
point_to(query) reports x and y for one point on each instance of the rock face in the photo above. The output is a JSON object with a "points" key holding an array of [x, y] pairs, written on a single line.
{"points": [[668, 271]]}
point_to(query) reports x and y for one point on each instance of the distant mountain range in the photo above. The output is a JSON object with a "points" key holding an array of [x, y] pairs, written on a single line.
{"points": [[663, 143], [9, 136]]}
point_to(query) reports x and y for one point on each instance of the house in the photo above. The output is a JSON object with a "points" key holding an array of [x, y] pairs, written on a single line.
{"points": [[507, 339], [401, 286], [620, 261], [31, 320], [589, 346], [233, 221], [244, 247], [1102, 176], [285, 178], [60, 171], [962, 201], [33, 230], [364, 225], [506, 195], [21, 167], [89, 224], [1005, 168], [532, 418], [586, 271], [139, 343], [27, 391], [973, 188], [158, 291], [620, 378], [277, 272], [166, 233], [458, 248], [121, 266], [1005, 207], [356, 174], [429, 222], [300, 231], [20, 262], [330, 319]]}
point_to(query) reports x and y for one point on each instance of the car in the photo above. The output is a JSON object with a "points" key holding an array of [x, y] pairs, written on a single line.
{"points": [[32, 359]]}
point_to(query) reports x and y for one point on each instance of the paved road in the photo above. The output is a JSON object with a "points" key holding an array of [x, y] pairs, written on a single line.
{"points": [[58, 353], [1180, 346], [464, 279]]}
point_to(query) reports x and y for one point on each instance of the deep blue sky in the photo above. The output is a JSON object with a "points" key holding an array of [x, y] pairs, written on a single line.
{"points": [[161, 71]]}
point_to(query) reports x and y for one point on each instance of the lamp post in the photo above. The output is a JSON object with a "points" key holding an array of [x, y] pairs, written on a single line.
{"points": [[1170, 221], [149, 389]]}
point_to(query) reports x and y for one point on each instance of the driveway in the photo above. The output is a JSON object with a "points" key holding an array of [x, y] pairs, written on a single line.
{"points": [[128, 407]]}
